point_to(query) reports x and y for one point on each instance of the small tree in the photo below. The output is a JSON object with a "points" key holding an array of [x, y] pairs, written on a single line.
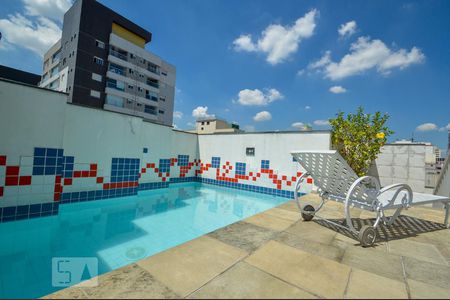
{"points": [[359, 137]]}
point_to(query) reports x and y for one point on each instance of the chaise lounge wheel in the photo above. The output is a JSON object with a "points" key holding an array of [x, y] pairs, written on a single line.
{"points": [[308, 212], [367, 236]]}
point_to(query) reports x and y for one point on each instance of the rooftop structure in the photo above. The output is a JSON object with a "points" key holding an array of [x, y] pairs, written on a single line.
{"points": [[211, 125], [19, 75]]}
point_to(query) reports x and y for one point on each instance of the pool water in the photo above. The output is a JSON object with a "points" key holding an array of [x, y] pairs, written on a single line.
{"points": [[117, 231]]}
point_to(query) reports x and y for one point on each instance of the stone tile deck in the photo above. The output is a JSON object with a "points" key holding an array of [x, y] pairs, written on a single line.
{"points": [[277, 255]]}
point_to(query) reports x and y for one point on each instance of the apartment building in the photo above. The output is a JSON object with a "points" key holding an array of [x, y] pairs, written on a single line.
{"points": [[102, 62]]}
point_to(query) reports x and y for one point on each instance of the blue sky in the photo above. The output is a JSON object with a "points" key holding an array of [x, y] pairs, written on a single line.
{"points": [[277, 65]]}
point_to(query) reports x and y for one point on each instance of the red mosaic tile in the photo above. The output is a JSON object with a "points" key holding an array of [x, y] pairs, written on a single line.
{"points": [[56, 197], [84, 173], [12, 181], [93, 167], [24, 180], [67, 181], [2, 160], [309, 180], [12, 171], [143, 170], [77, 174], [93, 174], [1, 191]]}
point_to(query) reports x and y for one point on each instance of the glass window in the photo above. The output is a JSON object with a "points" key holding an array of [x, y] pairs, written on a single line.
{"points": [[100, 44], [98, 60], [150, 109], [114, 100]]}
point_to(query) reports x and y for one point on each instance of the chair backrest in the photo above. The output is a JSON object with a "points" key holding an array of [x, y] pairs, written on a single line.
{"points": [[331, 173]]}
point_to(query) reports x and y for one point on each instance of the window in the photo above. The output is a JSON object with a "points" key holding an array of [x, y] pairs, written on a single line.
{"points": [[97, 77], [56, 56], [203, 123], [130, 87], [116, 69], [95, 94], [98, 61], [161, 112], [130, 71], [164, 73], [202, 128], [250, 151], [151, 95], [54, 71], [153, 82], [115, 84], [207, 123], [162, 99], [150, 109], [100, 44], [240, 168]]}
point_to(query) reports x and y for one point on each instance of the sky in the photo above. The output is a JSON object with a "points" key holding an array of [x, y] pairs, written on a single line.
{"points": [[278, 65]]}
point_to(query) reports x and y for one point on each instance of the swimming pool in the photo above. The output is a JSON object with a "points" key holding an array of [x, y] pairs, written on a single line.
{"points": [[117, 231]]}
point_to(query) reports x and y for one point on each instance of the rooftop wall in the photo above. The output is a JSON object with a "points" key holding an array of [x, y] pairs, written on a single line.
{"points": [[54, 153]]}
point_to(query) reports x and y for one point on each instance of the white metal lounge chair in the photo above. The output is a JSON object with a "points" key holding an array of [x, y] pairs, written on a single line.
{"points": [[337, 181]]}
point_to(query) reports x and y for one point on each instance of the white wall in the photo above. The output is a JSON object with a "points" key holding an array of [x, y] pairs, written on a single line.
{"points": [[275, 147], [402, 163]]}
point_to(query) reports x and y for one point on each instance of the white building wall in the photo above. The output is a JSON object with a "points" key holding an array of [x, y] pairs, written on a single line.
{"points": [[275, 147]]}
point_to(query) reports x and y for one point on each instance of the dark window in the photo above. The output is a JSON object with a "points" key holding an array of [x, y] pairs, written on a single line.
{"points": [[250, 151], [150, 109]]}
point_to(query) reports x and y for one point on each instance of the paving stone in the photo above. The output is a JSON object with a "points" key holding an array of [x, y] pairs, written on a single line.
{"points": [[284, 214], [244, 281], [269, 221], [365, 285], [187, 267], [312, 231], [420, 290], [373, 261], [421, 251], [317, 275], [243, 235], [427, 272], [327, 251], [130, 282]]}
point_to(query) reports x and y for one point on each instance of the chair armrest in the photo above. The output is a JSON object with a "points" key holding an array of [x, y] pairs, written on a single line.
{"points": [[399, 187]]}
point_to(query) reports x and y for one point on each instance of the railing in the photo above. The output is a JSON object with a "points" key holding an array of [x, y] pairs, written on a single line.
{"points": [[154, 70], [114, 86], [116, 70], [118, 55], [153, 84], [153, 98]]}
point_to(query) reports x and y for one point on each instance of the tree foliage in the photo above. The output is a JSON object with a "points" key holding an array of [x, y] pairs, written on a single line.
{"points": [[359, 137]]}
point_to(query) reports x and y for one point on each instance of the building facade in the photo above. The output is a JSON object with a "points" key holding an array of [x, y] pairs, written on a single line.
{"points": [[102, 63], [215, 125]]}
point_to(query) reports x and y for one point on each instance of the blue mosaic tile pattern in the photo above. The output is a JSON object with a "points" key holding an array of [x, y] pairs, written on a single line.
{"points": [[48, 161], [252, 188], [153, 185], [184, 179], [265, 164], [215, 162], [164, 165], [124, 169], [240, 168], [75, 197], [183, 160], [15, 213]]}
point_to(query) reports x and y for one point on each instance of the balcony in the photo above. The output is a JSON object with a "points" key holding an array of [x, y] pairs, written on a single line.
{"points": [[115, 85], [153, 83], [151, 97], [116, 69], [117, 54]]}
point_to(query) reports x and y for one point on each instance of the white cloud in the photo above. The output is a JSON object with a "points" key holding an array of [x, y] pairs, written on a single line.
{"points": [[321, 122], [244, 43], [37, 36], [301, 126], [347, 29], [262, 116], [278, 42], [366, 54], [257, 97], [37, 28], [445, 128], [427, 127], [337, 89], [52, 9], [307, 107], [201, 112], [177, 114]]}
